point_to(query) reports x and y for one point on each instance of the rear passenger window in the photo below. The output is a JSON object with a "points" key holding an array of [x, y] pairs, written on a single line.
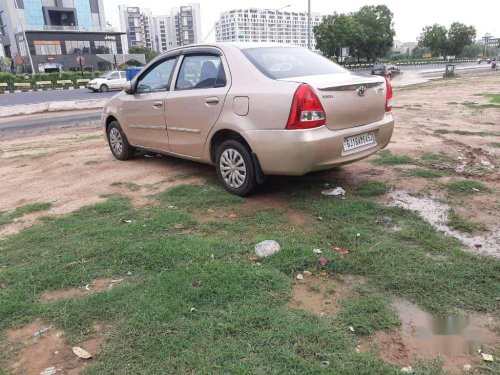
{"points": [[201, 72]]}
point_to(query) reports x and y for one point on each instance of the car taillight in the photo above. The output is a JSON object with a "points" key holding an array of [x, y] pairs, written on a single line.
{"points": [[388, 95], [307, 111]]}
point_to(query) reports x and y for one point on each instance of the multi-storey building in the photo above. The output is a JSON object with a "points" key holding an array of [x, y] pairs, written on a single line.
{"points": [[162, 29], [138, 24], [186, 25], [161, 33], [266, 25], [48, 35]]}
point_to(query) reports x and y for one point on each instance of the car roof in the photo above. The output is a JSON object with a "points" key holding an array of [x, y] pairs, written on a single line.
{"points": [[239, 45]]}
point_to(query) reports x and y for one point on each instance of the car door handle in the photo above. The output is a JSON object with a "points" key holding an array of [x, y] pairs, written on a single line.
{"points": [[158, 104], [212, 101]]}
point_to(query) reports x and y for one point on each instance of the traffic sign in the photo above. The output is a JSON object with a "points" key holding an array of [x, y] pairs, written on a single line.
{"points": [[50, 58], [80, 60]]}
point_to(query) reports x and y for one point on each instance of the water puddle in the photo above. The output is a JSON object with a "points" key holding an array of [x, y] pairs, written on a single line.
{"points": [[456, 339], [436, 214]]}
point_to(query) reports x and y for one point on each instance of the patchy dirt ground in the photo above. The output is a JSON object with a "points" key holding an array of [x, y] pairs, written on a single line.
{"points": [[72, 167], [443, 126], [48, 353]]}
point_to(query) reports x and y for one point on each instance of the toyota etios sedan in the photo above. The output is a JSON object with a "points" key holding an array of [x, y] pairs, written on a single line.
{"points": [[252, 110]]}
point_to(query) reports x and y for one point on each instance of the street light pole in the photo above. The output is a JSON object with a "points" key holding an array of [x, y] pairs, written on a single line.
{"points": [[309, 24], [25, 39]]}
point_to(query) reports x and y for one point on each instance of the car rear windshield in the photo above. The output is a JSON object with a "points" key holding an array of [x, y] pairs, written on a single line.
{"points": [[288, 62]]}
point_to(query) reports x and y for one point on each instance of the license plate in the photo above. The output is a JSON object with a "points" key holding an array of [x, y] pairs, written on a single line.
{"points": [[356, 141]]}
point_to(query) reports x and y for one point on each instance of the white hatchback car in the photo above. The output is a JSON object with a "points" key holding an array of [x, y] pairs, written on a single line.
{"points": [[108, 81]]}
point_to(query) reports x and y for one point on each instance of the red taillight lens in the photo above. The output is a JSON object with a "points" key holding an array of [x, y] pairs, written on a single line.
{"points": [[307, 111], [388, 95]]}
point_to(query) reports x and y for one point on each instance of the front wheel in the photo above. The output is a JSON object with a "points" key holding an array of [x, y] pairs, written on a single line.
{"points": [[118, 143], [235, 168], [104, 88]]}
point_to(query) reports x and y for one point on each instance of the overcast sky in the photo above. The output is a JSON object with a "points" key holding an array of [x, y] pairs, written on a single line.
{"points": [[409, 16]]}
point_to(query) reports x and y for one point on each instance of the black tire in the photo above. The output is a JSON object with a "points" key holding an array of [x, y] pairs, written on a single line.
{"points": [[104, 88], [118, 143], [249, 183]]}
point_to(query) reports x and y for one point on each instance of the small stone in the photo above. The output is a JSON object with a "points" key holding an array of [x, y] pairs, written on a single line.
{"points": [[81, 353], [358, 349], [307, 273], [233, 216], [267, 248], [317, 251], [300, 277], [56, 352], [358, 235], [193, 310], [467, 368], [320, 218], [325, 363], [351, 328], [49, 371], [407, 370]]}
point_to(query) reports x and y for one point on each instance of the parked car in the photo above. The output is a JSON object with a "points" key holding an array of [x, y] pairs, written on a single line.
{"points": [[108, 81], [385, 70], [252, 110]]}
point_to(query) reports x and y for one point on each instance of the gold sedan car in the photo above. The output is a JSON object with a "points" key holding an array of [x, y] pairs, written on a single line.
{"points": [[251, 110]]}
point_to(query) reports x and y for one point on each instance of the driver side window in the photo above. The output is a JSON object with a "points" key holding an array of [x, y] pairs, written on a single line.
{"points": [[158, 78], [114, 76]]}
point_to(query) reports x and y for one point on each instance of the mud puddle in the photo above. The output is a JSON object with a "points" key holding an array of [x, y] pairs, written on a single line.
{"points": [[436, 214], [455, 339]]}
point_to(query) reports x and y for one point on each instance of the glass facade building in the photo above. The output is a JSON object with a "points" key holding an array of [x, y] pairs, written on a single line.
{"points": [[84, 13], [33, 12]]}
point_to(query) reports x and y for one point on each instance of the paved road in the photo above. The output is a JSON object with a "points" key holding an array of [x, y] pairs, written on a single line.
{"points": [[52, 96], [46, 122], [82, 94]]}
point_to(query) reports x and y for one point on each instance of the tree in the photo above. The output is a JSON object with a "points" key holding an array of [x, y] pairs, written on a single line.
{"points": [[443, 42], [146, 51], [337, 31], [369, 33], [435, 38], [378, 31], [472, 51], [459, 36]]}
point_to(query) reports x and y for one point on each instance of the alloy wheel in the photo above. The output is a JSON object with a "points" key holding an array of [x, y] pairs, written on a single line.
{"points": [[116, 141], [233, 168]]}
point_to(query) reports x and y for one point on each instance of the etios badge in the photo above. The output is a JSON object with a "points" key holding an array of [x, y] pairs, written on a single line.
{"points": [[362, 90]]}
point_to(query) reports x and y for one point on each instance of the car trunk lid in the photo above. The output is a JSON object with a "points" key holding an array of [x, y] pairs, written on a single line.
{"points": [[349, 100]]}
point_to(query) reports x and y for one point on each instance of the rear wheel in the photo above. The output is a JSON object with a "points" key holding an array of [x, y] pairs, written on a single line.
{"points": [[104, 88], [235, 168], [118, 143]]}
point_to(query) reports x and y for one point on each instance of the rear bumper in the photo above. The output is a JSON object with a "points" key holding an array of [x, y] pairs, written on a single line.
{"points": [[297, 152]]}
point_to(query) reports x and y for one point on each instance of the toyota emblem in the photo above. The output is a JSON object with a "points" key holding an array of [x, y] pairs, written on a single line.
{"points": [[362, 90]]}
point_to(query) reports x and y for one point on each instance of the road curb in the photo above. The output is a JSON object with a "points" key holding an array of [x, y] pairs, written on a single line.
{"points": [[60, 106]]}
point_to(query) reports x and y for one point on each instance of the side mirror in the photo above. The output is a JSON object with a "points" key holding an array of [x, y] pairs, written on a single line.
{"points": [[127, 87]]}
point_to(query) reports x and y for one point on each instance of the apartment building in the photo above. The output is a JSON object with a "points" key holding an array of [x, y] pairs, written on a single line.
{"points": [[186, 25], [48, 35], [138, 25], [161, 33], [266, 25]]}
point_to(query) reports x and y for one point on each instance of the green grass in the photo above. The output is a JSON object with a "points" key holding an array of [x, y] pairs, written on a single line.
{"points": [[494, 98], [242, 323], [426, 173], [386, 157], [466, 132], [369, 311], [495, 144], [127, 185], [371, 189], [462, 224], [467, 186], [436, 158], [9, 217]]}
